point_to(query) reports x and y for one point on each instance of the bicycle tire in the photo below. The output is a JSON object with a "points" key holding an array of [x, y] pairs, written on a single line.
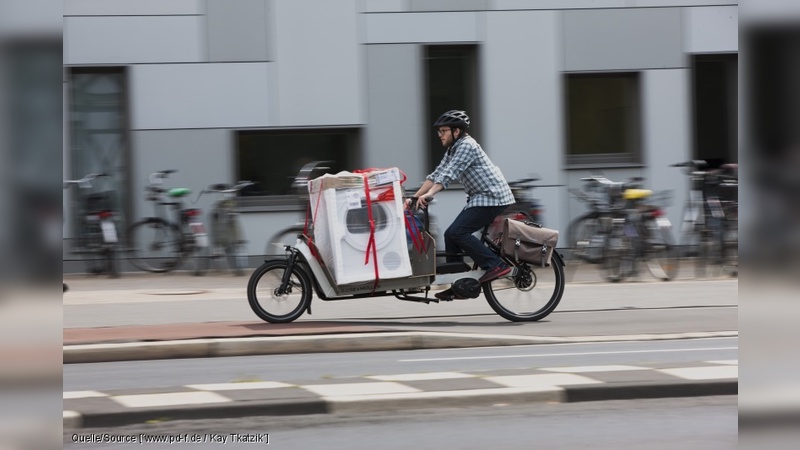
{"points": [[155, 245], [617, 255], [283, 308], [587, 238], [528, 299], [660, 254]]}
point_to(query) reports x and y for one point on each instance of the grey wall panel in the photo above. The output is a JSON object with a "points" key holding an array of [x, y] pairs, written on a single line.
{"points": [[448, 5], [667, 134], [234, 95], [242, 30], [202, 157], [129, 40], [622, 39], [520, 78], [711, 30], [598, 4], [132, 7], [320, 64], [422, 27], [370, 6], [395, 135]]}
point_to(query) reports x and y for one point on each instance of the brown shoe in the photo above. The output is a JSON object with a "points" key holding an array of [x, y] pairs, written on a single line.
{"points": [[498, 271]]}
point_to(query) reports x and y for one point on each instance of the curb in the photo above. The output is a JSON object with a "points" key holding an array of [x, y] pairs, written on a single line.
{"points": [[423, 400], [349, 342]]}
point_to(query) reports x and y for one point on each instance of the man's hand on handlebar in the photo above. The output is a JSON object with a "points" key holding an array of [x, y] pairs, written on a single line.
{"points": [[413, 203]]}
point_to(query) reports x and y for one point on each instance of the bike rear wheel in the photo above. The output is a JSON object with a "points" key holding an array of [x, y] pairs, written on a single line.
{"points": [[660, 254], [155, 245], [529, 296], [273, 302]]}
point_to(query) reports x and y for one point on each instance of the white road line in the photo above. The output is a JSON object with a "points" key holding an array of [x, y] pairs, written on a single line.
{"points": [[570, 354]]}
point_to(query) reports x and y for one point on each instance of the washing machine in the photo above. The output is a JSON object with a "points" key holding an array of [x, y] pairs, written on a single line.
{"points": [[345, 234]]}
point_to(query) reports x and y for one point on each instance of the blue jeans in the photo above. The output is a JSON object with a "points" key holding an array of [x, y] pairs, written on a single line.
{"points": [[458, 236]]}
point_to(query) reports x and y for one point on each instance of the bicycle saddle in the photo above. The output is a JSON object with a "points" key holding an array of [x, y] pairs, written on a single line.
{"points": [[179, 192], [219, 187], [636, 194]]}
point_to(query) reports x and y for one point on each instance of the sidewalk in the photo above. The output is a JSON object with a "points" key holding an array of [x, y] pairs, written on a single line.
{"points": [[252, 337]]}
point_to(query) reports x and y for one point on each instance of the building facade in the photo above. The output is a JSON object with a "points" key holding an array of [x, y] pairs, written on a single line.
{"points": [[224, 90]]}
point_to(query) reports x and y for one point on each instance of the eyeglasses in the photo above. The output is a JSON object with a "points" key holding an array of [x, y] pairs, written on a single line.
{"points": [[441, 132]]}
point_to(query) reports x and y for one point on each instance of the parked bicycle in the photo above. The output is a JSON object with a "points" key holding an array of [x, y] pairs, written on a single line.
{"points": [[227, 234], [95, 234], [640, 233], [588, 233], [159, 244], [625, 226], [709, 230]]}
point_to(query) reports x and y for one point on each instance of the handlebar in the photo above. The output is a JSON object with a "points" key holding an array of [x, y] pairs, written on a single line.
{"points": [[159, 176], [86, 181], [222, 188]]}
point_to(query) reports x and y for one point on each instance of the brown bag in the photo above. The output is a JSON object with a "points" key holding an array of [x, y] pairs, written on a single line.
{"points": [[527, 243]]}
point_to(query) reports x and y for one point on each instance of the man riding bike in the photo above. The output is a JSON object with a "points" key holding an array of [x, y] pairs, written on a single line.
{"points": [[488, 195]]}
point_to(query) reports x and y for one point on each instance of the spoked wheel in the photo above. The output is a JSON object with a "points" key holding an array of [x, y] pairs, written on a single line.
{"points": [[660, 254], [617, 255], [274, 301], [529, 296], [155, 245], [587, 238]]}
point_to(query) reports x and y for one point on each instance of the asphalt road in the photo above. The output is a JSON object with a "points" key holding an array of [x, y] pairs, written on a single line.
{"points": [[664, 424], [340, 366]]}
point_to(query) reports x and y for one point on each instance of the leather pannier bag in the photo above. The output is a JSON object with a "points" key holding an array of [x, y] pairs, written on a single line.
{"points": [[532, 244]]}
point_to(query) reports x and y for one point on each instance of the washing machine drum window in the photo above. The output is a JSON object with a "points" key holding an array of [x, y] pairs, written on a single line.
{"points": [[358, 219]]}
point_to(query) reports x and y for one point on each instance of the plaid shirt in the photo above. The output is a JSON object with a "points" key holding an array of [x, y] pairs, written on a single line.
{"points": [[482, 180]]}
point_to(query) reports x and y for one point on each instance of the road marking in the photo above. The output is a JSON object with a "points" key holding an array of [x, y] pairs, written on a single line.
{"points": [[421, 376], [590, 369], [704, 373], [571, 354], [348, 389], [169, 399], [554, 379]]}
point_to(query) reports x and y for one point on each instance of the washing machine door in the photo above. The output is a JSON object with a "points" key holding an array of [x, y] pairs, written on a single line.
{"points": [[357, 229]]}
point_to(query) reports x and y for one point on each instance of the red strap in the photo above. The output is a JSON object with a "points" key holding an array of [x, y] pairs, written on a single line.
{"points": [[371, 244]]}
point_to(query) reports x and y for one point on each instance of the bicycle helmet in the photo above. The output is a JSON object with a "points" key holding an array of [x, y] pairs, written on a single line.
{"points": [[453, 118]]}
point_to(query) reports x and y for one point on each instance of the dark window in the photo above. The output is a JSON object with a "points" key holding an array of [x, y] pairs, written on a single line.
{"points": [[716, 101], [272, 159], [602, 118], [452, 81]]}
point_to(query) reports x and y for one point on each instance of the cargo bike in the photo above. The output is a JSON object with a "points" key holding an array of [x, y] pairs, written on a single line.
{"points": [[281, 289]]}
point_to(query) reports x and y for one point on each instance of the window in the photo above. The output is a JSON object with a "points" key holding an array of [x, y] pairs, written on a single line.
{"points": [[451, 79], [715, 88], [272, 159], [603, 124], [98, 125]]}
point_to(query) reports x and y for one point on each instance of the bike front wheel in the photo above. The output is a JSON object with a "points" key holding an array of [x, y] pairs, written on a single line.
{"points": [[587, 238], [155, 245], [531, 295], [276, 302]]}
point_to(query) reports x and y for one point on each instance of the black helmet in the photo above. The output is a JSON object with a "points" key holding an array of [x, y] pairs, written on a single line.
{"points": [[453, 118]]}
